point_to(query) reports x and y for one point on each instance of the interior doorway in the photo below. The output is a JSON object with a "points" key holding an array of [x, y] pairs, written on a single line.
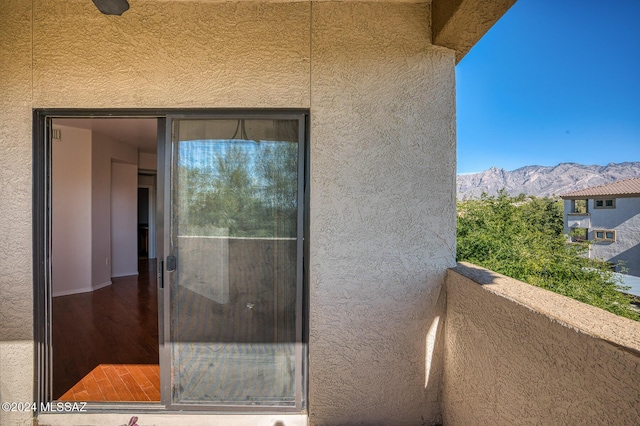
{"points": [[104, 317], [227, 328]]}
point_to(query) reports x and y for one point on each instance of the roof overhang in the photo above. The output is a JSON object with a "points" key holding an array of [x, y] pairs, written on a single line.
{"points": [[598, 197], [460, 24], [625, 188]]}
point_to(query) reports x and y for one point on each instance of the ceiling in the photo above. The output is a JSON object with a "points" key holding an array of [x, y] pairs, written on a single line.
{"points": [[139, 132]]}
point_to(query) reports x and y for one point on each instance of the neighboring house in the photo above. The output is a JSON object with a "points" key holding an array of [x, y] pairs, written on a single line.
{"points": [[609, 217]]}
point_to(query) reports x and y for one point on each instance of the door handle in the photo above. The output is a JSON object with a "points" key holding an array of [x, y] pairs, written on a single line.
{"points": [[171, 263], [161, 274]]}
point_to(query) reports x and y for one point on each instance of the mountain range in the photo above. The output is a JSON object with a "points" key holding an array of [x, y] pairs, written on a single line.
{"points": [[543, 181]]}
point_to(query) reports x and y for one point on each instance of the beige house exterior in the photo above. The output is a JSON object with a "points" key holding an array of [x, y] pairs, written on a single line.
{"points": [[378, 82], [609, 217]]}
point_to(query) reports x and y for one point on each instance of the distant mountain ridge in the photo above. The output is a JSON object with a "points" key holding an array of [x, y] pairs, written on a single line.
{"points": [[543, 181]]}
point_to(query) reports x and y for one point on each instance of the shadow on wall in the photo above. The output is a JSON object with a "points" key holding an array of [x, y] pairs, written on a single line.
{"points": [[630, 259], [625, 215], [480, 275]]}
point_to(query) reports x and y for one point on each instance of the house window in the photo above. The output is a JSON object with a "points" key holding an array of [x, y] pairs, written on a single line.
{"points": [[578, 234], [580, 206], [604, 235], [608, 203]]}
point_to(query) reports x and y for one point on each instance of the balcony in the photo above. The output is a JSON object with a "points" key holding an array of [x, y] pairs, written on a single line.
{"points": [[518, 354], [509, 354], [578, 220]]}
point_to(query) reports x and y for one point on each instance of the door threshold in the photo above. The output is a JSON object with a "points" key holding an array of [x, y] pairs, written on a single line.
{"points": [[192, 419]]}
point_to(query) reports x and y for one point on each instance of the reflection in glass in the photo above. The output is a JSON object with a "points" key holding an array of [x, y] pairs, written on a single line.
{"points": [[234, 232]]}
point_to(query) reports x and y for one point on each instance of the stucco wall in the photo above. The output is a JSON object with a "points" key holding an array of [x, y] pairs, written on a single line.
{"points": [[381, 100], [382, 210], [171, 54], [16, 298], [518, 354], [459, 24]]}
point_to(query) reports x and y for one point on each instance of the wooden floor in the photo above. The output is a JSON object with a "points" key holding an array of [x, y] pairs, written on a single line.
{"points": [[105, 343], [117, 382]]}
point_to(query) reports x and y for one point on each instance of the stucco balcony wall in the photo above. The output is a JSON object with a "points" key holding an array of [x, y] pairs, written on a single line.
{"points": [[578, 220], [518, 354]]}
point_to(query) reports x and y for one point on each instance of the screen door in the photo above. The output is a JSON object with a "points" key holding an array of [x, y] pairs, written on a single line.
{"points": [[233, 245]]}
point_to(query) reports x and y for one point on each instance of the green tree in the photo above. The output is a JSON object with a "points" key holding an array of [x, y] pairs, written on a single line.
{"points": [[220, 196], [522, 237], [241, 193], [277, 168]]}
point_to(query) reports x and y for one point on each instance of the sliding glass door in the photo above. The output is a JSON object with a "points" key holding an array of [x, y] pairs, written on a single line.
{"points": [[233, 272]]}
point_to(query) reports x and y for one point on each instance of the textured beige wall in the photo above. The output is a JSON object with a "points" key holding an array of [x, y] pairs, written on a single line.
{"points": [[518, 354], [16, 332], [382, 211], [382, 164], [459, 24], [167, 54]]}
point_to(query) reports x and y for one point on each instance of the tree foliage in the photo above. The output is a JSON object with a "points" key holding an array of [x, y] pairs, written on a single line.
{"points": [[241, 194], [522, 237]]}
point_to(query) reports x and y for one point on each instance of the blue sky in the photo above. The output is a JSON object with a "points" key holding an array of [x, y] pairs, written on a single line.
{"points": [[553, 81]]}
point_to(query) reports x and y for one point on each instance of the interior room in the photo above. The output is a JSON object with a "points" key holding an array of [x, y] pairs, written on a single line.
{"points": [[104, 289]]}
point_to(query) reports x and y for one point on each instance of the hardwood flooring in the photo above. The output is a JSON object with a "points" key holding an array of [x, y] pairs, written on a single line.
{"points": [[117, 382], [105, 343]]}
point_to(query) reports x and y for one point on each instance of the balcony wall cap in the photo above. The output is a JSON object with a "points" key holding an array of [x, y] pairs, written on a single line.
{"points": [[621, 332]]}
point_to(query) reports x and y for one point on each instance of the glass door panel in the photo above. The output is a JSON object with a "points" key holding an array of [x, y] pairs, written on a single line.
{"points": [[235, 264]]}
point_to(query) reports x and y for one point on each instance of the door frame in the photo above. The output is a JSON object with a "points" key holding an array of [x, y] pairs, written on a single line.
{"points": [[151, 205], [165, 174], [41, 245]]}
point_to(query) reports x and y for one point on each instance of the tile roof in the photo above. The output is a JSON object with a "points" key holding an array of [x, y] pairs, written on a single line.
{"points": [[625, 187]]}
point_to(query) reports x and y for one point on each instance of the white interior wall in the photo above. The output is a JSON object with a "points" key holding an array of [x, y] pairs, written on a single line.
{"points": [[71, 212], [82, 223], [147, 161], [101, 211], [106, 149], [124, 219]]}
